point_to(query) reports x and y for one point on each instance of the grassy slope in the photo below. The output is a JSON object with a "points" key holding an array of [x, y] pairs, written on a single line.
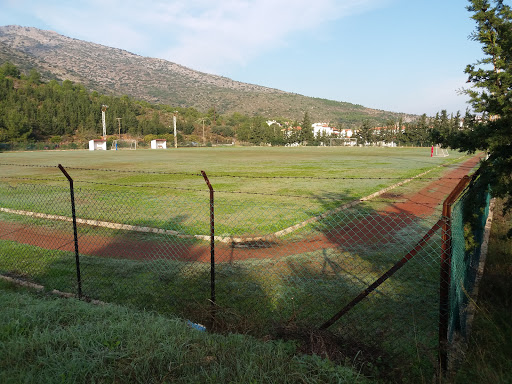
{"points": [[488, 359], [48, 340]]}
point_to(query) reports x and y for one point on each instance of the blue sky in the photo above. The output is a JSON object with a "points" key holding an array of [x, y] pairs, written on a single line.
{"points": [[396, 55]]}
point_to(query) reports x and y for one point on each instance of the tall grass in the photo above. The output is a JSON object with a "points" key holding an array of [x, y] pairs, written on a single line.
{"points": [[47, 340]]}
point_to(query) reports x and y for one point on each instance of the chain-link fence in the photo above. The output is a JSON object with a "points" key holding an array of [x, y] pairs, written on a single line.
{"points": [[468, 227], [372, 277]]}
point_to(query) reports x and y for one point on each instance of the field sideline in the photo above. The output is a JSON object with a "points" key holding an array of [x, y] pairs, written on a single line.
{"points": [[279, 162]]}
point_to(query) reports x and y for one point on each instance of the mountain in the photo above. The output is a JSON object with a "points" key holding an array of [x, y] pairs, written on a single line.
{"points": [[118, 72]]}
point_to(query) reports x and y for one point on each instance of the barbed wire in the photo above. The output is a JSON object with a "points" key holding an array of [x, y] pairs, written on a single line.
{"points": [[103, 169], [29, 165], [238, 176], [136, 171], [28, 178], [400, 200], [143, 186]]}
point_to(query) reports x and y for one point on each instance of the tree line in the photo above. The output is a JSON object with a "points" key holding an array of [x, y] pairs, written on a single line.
{"points": [[34, 111]]}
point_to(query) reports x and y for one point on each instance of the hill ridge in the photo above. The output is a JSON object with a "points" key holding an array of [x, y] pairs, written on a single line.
{"points": [[119, 72]]}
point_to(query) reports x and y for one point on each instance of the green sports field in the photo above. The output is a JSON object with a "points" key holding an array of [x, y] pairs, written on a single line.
{"points": [[282, 185], [246, 163], [305, 276]]}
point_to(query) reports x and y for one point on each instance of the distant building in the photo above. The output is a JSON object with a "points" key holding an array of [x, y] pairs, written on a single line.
{"points": [[287, 132], [323, 129], [159, 144], [97, 145], [271, 122]]}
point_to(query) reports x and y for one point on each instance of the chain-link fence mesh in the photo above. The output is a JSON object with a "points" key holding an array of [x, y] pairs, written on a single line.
{"points": [[277, 268], [469, 215]]}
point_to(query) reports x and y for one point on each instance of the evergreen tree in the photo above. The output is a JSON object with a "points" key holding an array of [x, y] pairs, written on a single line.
{"points": [[306, 132], [365, 134], [491, 95]]}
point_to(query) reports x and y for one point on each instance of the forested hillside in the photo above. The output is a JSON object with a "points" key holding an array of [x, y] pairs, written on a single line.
{"points": [[117, 72], [34, 111]]}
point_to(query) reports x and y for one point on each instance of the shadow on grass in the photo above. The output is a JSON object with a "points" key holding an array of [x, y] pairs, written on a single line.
{"points": [[290, 286]]}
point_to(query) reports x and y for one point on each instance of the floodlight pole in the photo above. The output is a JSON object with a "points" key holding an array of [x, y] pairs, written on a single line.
{"points": [[174, 124], [203, 133], [103, 110]]}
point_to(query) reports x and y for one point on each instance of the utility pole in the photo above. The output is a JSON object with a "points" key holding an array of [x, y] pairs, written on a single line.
{"points": [[174, 124]]}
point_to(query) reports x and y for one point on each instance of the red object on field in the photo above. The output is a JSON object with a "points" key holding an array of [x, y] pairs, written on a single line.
{"points": [[432, 152]]}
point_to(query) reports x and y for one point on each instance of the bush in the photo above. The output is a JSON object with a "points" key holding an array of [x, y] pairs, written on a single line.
{"points": [[149, 138], [223, 131]]}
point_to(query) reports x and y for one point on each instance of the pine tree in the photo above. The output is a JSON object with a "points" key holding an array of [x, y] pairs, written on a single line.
{"points": [[490, 95], [306, 132]]}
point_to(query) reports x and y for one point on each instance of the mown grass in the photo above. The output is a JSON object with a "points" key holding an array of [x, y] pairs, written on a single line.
{"points": [[48, 340], [272, 166], [270, 192], [487, 358]]}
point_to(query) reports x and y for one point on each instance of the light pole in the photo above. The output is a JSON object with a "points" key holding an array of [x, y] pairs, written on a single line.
{"points": [[204, 143], [174, 124], [103, 110]]}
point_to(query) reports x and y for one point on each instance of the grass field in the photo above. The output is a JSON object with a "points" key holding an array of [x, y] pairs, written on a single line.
{"points": [[220, 163], [285, 185], [258, 191]]}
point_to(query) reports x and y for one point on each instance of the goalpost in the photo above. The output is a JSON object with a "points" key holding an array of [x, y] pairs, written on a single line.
{"points": [[439, 151], [123, 144], [342, 142]]}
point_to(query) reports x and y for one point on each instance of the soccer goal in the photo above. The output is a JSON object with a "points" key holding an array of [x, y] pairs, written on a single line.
{"points": [[440, 152], [133, 144], [342, 142]]}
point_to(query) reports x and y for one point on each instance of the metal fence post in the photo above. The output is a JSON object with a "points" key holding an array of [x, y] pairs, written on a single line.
{"points": [[445, 274], [212, 242], [75, 234]]}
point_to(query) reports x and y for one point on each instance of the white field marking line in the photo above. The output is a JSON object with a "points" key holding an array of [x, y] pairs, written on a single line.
{"points": [[222, 239], [348, 205], [104, 224], [38, 287]]}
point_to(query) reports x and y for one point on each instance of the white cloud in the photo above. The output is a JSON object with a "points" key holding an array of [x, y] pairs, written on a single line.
{"points": [[234, 32]]}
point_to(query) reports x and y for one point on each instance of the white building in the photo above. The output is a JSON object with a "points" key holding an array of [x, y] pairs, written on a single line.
{"points": [[323, 129], [97, 145], [271, 122], [159, 144]]}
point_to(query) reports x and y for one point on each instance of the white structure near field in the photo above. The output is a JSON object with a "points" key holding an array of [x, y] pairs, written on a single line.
{"points": [[159, 144], [323, 129], [97, 145]]}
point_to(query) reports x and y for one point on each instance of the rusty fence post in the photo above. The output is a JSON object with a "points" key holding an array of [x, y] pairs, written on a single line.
{"points": [[75, 233], [212, 243], [445, 274]]}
